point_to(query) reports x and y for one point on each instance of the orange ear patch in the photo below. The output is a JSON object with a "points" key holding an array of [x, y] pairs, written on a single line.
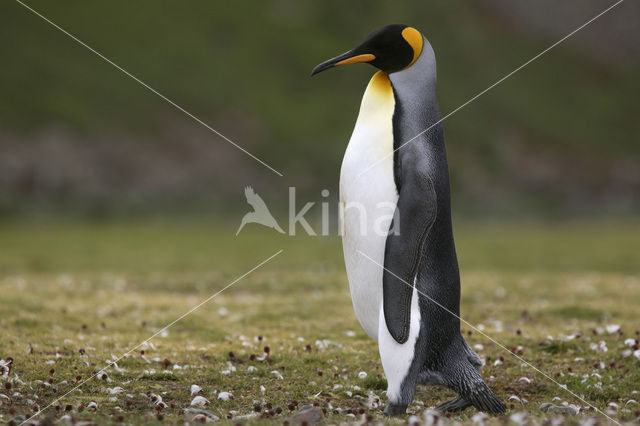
{"points": [[414, 38]]}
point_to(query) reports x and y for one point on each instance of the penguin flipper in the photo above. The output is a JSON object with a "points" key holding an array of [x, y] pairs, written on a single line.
{"points": [[414, 216]]}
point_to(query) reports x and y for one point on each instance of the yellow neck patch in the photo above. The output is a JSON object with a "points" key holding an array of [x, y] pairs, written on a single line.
{"points": [[377, 101], [380, 84], [414, 38]]}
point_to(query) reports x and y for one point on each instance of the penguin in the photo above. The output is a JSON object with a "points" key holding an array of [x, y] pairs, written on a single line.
{"points": [[411, 306]]}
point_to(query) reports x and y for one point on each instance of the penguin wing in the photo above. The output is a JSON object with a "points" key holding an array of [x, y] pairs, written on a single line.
{"points": [[414, 216]]}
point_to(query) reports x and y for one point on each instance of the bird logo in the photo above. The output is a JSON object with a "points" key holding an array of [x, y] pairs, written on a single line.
{"points": [[260, 213]]}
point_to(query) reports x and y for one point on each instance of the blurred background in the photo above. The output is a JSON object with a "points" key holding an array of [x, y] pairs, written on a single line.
{"points": [[78, 138]]}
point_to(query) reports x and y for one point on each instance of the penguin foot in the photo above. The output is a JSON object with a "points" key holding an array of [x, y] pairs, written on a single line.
{"points": [[456, 404], [394, 409]]}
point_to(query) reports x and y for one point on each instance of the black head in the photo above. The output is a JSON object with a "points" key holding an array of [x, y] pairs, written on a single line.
{"points": [[390, 49]]}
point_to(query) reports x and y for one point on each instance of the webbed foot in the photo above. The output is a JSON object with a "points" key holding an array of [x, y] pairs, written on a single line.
{"points": [[394, 409]]}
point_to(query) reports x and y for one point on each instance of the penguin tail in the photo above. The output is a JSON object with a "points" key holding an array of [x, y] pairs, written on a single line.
{"points": [[469, 384], [485, 400]]}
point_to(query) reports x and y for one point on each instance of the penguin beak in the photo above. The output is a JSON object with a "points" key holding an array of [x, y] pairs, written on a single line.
{"points": [[350, 57]]}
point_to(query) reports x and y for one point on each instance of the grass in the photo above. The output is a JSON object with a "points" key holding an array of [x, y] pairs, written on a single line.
{"points": [[76, 296]]}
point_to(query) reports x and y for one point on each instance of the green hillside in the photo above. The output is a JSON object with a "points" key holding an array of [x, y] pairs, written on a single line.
{"points": [[560, 136]]}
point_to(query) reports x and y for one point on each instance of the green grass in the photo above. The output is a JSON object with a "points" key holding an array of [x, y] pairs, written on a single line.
{"points": [[101, 289]]}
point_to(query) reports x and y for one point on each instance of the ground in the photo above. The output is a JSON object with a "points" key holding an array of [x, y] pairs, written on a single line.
{"points": [[76, 297]]}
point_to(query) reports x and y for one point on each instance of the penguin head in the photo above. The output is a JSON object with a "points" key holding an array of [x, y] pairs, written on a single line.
{"points": [[390, 49]]}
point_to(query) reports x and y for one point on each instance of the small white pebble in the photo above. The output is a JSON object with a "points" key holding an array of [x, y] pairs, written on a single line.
{"points": [[251, 369], [373, 401], [194, 389], [478, 347], [350, 333], [362, 375], [199, 401], [601, 346], [519, 418], [156, 399], [613, 328], [115, 390], [223, 311], [479, 418], [497, 362], [225, 396]]}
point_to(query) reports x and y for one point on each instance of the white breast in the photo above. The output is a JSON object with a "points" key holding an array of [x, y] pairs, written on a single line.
{"points": [[368, 201]]}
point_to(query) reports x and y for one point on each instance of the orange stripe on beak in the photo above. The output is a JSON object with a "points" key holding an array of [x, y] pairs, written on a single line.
{"points": [[367, 57]]}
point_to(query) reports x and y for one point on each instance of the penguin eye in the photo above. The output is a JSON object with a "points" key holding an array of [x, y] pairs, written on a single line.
{"points": [[414, 39]]}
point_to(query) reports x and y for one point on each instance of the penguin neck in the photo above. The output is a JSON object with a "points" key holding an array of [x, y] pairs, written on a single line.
{"points": [[415, 88], [377, 99]]}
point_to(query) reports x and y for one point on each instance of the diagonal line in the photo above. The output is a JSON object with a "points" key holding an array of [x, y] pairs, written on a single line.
{"points": [[492, 86], [156, 333], [493, 340], [151, 89]]}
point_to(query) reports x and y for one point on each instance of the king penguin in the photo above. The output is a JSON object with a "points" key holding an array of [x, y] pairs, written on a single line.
{"points": [[396, 226]]}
